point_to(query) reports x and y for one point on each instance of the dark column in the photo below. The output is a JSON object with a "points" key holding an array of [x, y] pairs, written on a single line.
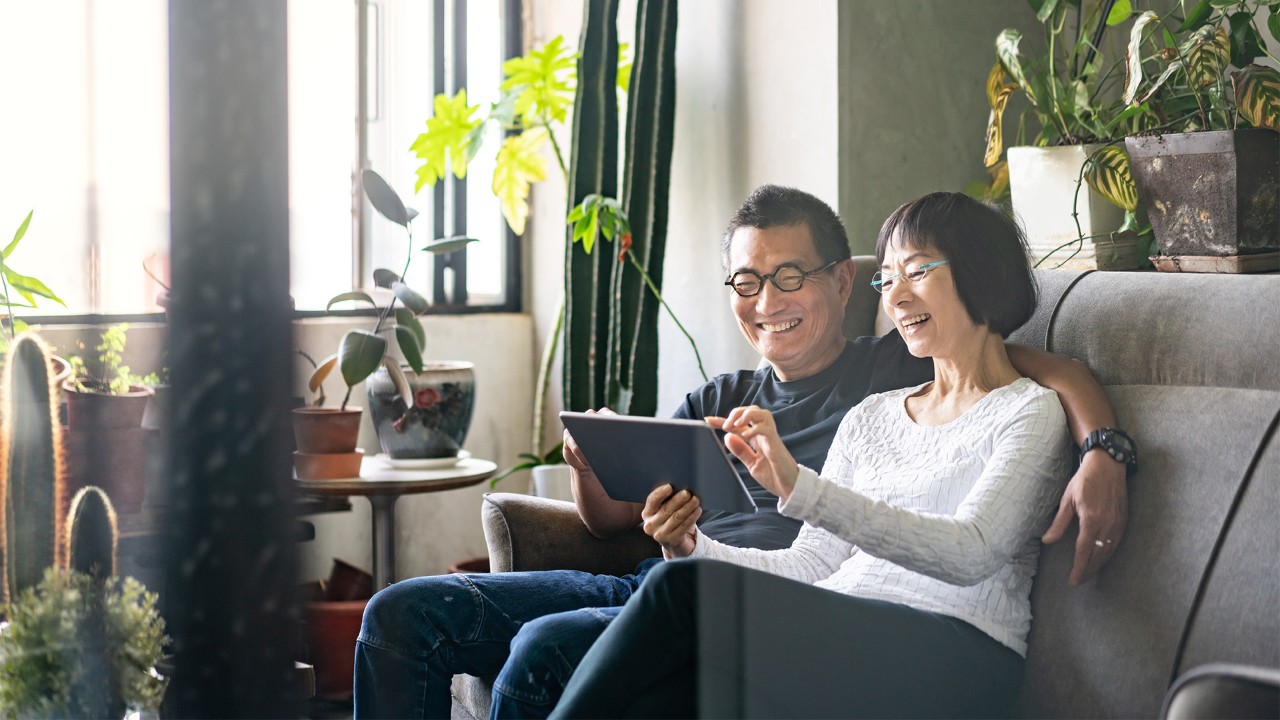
{"points": [[229, 581]]}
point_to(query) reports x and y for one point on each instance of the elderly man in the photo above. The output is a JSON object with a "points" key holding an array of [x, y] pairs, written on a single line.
{"points": [[787, 257]]}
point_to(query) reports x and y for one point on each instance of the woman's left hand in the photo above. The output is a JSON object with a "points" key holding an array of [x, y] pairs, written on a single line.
{"points": [[753, 438]]}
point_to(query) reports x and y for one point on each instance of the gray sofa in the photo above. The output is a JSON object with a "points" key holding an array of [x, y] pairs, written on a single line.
{"points": [[1192, 365]]}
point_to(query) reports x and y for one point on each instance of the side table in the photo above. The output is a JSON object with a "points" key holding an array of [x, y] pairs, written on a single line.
{"points": [[383, 485]]}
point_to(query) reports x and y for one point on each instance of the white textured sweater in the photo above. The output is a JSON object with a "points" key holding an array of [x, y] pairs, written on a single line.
{"points": [[943, 518]]}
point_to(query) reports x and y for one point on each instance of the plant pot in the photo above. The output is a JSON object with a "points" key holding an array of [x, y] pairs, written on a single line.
{"points": [[553, 481], [1210, 193], [327, 466], [470, 565], [326, 430], [332, 630], [121, 461], [90, 411], [436, 424], [1042, 188], [157, 412]]}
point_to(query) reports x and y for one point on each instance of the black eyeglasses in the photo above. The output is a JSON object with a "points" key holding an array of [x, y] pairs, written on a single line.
{"points": [[787, 278]]}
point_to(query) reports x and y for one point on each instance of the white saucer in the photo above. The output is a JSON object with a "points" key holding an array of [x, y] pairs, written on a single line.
{"points": [[423, 463]]}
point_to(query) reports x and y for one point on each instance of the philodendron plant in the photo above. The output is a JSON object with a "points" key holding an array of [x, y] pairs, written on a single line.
{"points": [[361, 352], [12, 283]]}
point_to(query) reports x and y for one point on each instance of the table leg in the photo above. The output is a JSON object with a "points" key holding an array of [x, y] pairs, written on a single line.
{"points": [[384, 540]]}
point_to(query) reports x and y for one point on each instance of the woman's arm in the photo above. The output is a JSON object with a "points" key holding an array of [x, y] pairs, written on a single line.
{"points": [[1097, 493]]}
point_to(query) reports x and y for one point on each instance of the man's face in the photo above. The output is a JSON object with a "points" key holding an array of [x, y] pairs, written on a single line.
{"points": [[798, 332]]}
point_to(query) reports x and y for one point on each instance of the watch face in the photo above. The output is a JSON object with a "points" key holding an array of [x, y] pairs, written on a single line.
{"points": [[1117, 446]]}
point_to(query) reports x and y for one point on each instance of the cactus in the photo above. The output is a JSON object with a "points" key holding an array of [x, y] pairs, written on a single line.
{"points": [[32, 482], [91, 533]]}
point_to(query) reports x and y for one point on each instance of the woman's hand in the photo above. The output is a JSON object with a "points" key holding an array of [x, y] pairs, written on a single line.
{"points": [[671, 518], [753, 438]]}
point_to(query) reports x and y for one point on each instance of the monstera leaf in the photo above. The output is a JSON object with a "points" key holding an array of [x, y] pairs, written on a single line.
{"points": [[519, 164], [1107, 172], [999, 88], [451, 140], [1257, 90], [544, 79]]}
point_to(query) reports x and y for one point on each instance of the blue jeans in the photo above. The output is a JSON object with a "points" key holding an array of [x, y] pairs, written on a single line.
{"points": [[419, 633]]}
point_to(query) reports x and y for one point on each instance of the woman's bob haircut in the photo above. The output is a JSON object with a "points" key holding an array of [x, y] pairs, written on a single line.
{"points": [[986, 250]]}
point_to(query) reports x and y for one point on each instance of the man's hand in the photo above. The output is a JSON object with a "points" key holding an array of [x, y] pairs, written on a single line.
{"points": [[753, 438], [603, 516], [671, 518], [1097, 494]]}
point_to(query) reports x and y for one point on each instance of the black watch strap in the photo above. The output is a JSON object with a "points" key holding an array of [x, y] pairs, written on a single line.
{"points": [[1117, 444]]}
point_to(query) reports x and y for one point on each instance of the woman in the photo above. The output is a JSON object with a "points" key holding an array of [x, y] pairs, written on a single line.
{"points": [[914, 566]]}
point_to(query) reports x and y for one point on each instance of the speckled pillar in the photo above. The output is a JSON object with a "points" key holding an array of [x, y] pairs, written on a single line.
{"points": [[229, 569]]}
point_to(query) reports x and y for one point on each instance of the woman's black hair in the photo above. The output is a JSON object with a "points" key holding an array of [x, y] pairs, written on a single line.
{"points": [[986, 250]]}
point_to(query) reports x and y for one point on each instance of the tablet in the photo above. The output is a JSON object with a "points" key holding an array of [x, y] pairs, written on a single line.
{"points": [[633, 455]]}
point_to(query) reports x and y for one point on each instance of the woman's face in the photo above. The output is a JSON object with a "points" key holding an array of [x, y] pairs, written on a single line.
{"points": [[927, 312]]}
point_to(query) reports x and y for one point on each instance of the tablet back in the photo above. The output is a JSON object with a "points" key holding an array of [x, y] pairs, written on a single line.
{"points": [[633, 455]]}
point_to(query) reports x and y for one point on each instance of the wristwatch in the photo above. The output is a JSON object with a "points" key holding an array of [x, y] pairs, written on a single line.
{"points": [[1117, 444]]}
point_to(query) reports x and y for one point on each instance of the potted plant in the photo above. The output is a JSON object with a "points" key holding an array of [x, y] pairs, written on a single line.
{"points": [[421, 410], [1072, 92], [1211, 176], [607, 317]]}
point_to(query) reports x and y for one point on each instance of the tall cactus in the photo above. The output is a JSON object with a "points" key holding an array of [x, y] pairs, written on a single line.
{"points": [[92, 533], [611, 326], [32, 481], [593, 170]]}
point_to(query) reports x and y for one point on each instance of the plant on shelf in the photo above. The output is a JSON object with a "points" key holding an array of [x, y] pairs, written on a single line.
{"points": [[608, 311], [26, 288], [113, 377]]}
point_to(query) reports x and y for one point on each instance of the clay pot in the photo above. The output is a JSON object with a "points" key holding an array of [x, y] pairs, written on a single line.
{"points": [[348, 582], [91, 411], [470, 565], [332, 629], [327, 466], [326, 430]]}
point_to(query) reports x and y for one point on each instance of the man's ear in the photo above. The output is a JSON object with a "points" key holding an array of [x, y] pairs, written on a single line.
{"points": [[846, 272]]}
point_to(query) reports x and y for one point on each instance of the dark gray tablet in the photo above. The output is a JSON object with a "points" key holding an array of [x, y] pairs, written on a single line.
{"points": [[633, 455]]}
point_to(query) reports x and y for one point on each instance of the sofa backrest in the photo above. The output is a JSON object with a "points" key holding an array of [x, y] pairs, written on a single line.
{"points": [[1191, 364]]}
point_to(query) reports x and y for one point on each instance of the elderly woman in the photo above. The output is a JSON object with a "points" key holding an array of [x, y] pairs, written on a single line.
{"points": [[908, 587]]}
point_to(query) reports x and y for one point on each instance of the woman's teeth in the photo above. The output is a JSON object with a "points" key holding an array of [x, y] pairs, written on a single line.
{"points": [[779, 327], [915, 320]]}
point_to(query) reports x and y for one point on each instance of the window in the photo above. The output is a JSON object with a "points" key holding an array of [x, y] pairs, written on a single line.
{"points": [[85, 144]]}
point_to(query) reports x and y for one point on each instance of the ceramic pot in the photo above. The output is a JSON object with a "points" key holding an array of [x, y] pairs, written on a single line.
{"points": [[553, 481], [88, 411], [332, 629], [326, 430], [436, 423]]}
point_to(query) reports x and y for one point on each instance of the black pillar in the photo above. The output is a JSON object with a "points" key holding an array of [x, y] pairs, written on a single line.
{"points": [[229, 573]]}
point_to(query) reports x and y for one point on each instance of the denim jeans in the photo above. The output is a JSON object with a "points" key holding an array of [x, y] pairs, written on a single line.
{"points": [[417, 634], [824, 654]]}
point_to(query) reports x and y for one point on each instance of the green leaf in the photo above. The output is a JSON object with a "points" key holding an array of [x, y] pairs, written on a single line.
{"points": [[1273, 24], [1197, 17], [406, 318], [448, 140], [354, 295], [359, 354], [1133, 56], [1125, 115], [1224, 4], [1107, 172], [1007, 51], [545, 80], [1045, 10], [1257, 91], [383, 278], [444, 246], [28, 286], [519, 163], [383, 198], [999, 88], [1246, 43], [1120, 12], [411, 299], [624, 66], [408, 342], [1207, 53], [504, 111], [511, 470], [22, 231]]}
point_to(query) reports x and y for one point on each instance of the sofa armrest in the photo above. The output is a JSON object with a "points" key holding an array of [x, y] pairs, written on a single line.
{"points": [[1223, 690], [531, 533]]}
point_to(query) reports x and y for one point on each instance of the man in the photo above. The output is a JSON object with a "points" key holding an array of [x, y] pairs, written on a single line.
{"points": [[788, 260]]}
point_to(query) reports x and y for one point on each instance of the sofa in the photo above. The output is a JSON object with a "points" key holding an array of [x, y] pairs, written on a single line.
{"points": [[1192, 366]]}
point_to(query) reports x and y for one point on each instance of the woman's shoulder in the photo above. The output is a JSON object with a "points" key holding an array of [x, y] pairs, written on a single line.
{"points": [[1025, 396]]}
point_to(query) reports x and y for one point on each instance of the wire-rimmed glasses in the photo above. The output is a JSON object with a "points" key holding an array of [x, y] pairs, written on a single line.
{"points": [[881, 282], [787, 278]]}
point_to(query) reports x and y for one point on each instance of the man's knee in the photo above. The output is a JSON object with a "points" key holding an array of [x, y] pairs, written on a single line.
{"points": [[409, 613], [560, 639]]}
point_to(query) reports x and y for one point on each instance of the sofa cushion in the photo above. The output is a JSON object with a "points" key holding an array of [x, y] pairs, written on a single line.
{"points": [[1107, 648]]}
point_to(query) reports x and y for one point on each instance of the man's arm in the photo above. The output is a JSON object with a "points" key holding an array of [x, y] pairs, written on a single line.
{"points": [[603, 516], [1097, 493]]}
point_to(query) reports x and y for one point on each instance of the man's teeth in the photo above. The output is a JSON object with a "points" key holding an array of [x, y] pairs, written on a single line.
{"points": [[915, 320], [779, 327]]}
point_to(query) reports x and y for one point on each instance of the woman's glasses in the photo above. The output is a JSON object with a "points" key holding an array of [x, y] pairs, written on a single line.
{"points": [[787, 278], [882, 282]]}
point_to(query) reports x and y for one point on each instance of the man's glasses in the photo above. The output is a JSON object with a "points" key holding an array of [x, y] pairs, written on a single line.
{"points": [[882, 282], [787, 278]]}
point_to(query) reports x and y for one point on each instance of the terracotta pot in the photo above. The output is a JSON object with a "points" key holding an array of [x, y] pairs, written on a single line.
{"points": [[99, 410], [348, 582], [332, 629], [470, 565], [118, 460], [326, 430], [327, 466]]}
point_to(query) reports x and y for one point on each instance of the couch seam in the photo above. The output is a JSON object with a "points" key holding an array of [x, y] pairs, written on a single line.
{"points": [[1194, 610]]}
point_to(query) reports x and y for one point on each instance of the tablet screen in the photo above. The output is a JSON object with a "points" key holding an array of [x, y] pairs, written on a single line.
{"points": [[633, 455]]}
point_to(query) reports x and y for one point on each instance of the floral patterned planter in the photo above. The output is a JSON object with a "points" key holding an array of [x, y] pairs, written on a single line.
{"points": [[436, 424]]}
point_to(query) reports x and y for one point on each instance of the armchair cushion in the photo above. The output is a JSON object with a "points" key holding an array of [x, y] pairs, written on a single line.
{"points": [[531, 533]]}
